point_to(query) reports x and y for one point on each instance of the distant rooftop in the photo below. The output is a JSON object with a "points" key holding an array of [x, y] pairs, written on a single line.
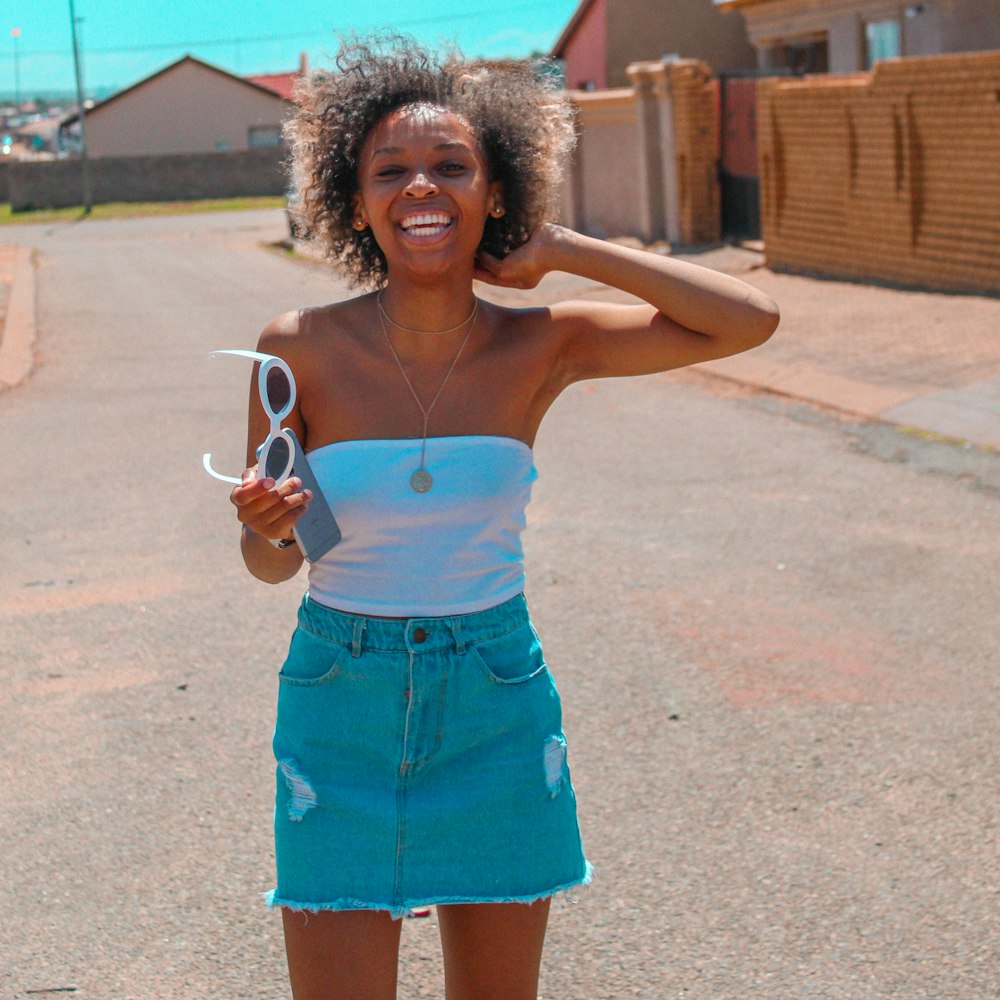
{"points": [[280, 83]]}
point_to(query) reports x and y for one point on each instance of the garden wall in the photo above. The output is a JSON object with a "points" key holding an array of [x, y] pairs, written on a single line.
{"points": [[892, 175]]}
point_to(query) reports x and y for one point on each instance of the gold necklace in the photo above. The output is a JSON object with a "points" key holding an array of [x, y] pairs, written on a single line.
{"points": [[421, 480], [427, 333]]}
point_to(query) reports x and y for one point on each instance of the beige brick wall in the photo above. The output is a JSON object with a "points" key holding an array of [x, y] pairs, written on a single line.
{"points": [[892, 175], [696, 134]]}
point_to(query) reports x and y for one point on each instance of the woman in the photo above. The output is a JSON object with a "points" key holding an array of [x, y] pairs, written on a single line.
{"points": [[420, 751]]}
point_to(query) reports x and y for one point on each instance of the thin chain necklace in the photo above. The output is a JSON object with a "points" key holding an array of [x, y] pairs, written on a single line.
{"points": [[426, 333], [421, 480]]}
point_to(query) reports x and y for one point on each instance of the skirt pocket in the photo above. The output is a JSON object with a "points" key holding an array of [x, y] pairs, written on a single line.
{"points": [[511, 658], [312, 660]]}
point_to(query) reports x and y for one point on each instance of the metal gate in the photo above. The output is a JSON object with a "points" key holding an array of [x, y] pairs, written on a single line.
{"points": [[739, 179]]}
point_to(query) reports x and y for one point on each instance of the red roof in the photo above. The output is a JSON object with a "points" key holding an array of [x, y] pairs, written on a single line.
{"points": [[280, 83]]}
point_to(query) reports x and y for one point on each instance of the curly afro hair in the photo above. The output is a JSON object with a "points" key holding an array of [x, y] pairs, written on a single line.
{"points": [[521, 121]]}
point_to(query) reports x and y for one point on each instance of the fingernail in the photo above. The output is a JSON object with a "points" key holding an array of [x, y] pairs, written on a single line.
{"points": [[307, 494]]}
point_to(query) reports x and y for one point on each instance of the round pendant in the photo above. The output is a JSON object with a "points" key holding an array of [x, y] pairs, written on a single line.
{"points": [[421, 481]]}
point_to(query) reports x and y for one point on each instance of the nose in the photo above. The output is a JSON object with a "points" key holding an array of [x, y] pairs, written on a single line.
{"points": [[420, 186]]}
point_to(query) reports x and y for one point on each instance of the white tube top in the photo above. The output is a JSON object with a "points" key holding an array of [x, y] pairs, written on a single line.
{"points": [[453, 550]]}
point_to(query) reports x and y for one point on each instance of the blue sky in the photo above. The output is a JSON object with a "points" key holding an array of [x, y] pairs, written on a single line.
{"points": [[125, 40]]}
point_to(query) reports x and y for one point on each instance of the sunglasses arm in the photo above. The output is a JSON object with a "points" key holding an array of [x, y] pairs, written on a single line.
{"points": [[206, 461]]}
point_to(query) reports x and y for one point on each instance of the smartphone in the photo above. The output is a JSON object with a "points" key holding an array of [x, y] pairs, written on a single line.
{"points": [[316, 531]]}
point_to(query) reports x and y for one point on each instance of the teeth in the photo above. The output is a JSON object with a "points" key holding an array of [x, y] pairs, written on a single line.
{"points": [[426, 224]]}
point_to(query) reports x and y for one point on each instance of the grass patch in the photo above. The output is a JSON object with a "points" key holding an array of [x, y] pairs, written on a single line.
{"points": [[138, 209]]}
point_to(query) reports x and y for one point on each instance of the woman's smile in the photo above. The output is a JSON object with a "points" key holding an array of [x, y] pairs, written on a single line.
{"points": [[426, 226]]}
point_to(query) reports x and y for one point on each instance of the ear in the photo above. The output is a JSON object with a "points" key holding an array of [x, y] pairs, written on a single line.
{"points": [[360, 221], [495, 199]]}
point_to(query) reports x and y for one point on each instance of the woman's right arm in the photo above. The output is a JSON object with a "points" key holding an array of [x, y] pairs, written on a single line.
{"points": [[265, 513]]}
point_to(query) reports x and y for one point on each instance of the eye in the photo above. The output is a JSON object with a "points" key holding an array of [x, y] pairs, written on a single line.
{"points": [[452, 167], [388, 171]]}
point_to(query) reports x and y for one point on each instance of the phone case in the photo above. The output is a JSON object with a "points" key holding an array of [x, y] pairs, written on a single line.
{"points": [[316, 531]]}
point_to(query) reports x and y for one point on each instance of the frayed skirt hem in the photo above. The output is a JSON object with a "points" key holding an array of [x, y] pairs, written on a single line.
{"points": [[404, 909]]}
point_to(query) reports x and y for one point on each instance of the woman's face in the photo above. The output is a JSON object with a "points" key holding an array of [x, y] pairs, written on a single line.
{"points": [[424, 189]]}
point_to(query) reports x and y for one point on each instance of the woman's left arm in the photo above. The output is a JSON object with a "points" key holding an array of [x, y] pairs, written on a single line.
{"points": [[694, 314]]}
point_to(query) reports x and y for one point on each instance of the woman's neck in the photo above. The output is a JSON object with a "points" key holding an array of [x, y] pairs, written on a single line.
{"points": [[419, 308]]}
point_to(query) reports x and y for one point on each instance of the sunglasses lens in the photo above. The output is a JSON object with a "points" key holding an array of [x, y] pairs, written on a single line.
{"points": [[276, 458], [279, 390]]}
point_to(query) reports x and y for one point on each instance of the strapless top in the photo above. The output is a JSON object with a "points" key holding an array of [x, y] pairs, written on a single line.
{"points": [[452, 550]]}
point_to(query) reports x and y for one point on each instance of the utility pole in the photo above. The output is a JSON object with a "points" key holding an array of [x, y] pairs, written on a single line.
{"points": [[81, 116], [15, 33]]}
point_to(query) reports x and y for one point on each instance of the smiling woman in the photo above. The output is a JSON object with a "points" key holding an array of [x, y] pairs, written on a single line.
{"points": [[419, 745], [524, 130]]}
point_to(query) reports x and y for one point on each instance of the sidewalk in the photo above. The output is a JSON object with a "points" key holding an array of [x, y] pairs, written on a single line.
{"points": [[17, 314], [921, 360]]}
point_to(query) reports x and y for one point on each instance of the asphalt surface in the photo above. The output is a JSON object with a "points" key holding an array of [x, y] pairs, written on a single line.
{"points": [[774, 628]]}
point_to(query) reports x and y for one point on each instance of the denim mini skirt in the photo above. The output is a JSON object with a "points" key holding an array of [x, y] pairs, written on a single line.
{"points": [[420, 761]]}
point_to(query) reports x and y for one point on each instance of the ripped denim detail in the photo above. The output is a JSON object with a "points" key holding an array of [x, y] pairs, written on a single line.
{"points": [[302, 797]]}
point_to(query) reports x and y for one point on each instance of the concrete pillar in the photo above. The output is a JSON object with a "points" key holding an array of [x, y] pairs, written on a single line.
{"points": [[651, 81], [645, 80]]}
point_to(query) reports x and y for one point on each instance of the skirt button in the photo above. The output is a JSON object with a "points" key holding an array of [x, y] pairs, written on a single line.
{"points": [[419, 635]]}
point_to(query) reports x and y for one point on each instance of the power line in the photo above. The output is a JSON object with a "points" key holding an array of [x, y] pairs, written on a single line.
{"points": [[291, 36]]}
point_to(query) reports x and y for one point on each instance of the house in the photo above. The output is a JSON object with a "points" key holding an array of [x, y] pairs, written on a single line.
{"points": [[604, 36], [189, 106], [845, 36]]}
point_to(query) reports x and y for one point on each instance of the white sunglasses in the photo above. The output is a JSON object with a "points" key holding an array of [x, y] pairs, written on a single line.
{"points": [[276, 386]]}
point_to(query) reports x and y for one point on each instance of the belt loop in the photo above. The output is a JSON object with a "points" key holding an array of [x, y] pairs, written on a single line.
{"points": [[359, 628], [456, 631]]}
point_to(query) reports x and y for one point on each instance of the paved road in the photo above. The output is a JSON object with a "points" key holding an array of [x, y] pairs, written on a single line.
{"points": [[775, 631]]}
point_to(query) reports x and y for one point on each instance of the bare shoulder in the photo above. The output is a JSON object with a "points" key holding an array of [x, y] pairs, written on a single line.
{"points": [[300, 333]]}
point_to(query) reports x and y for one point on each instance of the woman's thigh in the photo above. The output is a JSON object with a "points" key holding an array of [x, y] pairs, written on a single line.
{"points": [[492, 951], [347, 954]]}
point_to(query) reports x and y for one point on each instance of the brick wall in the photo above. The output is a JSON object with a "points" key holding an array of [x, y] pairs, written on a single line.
{"points": [[58, 183], [892, 175], [696, 135]]}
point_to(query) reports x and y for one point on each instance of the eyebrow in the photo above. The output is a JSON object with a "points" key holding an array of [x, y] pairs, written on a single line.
{"points": [[443, 146]]}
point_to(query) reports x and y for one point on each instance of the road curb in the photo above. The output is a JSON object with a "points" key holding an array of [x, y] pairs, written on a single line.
{"points": [[969, 413], [17, 348]]}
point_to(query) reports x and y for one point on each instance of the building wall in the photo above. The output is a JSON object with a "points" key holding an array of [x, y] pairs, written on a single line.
{"points": [[58, 183], [968, 25], [926, 27], [645, 30], [889, 175], [585, 54], [188, 109]]}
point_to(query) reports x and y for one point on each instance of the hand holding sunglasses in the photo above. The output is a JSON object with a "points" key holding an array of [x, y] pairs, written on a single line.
{"points": [[281, 455], [276, 387]]}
